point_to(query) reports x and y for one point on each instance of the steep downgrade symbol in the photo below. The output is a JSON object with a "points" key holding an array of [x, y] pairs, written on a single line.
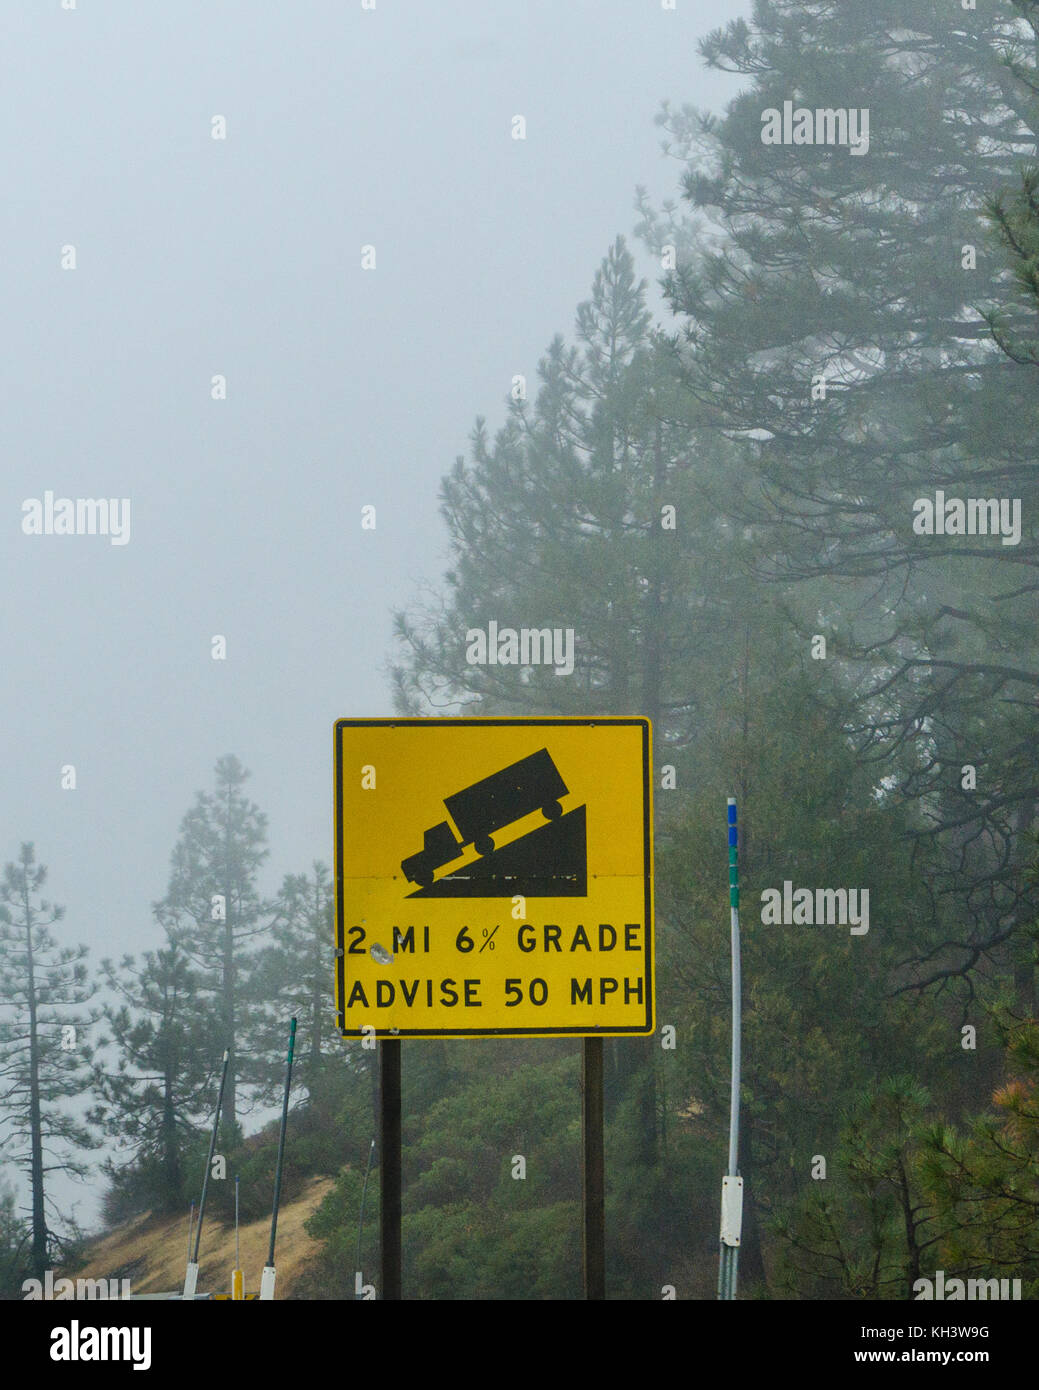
{"points": [[550, 861]]}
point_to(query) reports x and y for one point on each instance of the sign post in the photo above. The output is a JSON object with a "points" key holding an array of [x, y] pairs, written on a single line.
{"points": [[389, 1168], [493, 879], [593, 1170]]}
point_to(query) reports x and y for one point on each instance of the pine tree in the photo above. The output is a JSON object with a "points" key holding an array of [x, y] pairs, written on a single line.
{"points": [[837, 333], [15, 1234], [44, 1054], [588, 511], [213, 911], [1016, 217], [294, 979], [984, 1177], [872, 1227], [817, 1006], [158, 1089]]}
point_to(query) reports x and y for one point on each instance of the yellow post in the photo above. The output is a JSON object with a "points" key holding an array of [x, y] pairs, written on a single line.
{"points": [[237, 1278]]}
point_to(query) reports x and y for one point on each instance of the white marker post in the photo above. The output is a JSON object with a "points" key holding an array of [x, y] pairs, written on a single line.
{"points": [[267, 1277], [732, 1183], [191, 1277]]}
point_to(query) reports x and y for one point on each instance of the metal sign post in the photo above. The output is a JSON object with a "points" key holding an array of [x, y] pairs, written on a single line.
{"points": [[593, 1175], [390, 1167]]}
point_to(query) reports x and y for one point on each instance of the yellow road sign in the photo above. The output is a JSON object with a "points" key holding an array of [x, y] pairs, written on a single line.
{"points": [[493, 877]]}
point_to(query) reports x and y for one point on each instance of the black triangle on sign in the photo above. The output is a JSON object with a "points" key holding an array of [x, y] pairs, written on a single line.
{"points": [[549, 862]]}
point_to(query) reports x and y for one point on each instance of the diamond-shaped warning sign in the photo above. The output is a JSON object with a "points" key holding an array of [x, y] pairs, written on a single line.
{"points": [[494, 877]]}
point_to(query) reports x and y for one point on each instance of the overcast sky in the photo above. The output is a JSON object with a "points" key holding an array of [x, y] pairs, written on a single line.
{"points": [[242, 257]]}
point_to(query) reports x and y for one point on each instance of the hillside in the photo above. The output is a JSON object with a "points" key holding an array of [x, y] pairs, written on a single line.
{"points": [[151, 1251]]}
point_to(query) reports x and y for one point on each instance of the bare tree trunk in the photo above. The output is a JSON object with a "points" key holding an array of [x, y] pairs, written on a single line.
{"points": [[228, 983], [230, 1094]]}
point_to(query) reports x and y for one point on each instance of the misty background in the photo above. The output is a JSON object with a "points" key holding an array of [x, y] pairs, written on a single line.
{"points": [[780, 397], [344, 387]]}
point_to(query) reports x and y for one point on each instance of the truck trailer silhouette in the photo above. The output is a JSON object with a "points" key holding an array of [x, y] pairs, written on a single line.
{"points": [[531, 784]]}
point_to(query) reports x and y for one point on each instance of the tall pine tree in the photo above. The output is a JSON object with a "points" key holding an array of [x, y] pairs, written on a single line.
{"points": [[293, 978], [587, 512], [836, 333], [214, 913], [44, 1052], [156, 1091]]}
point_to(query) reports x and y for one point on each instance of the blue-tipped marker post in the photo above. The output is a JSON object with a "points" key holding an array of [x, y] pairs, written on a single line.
{"points": [[732, 1183]]}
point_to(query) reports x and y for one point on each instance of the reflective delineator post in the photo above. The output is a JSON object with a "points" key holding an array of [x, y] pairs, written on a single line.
{"points": [[267, 1277], [358, 1276], [732, 1183], [191, 1277]]}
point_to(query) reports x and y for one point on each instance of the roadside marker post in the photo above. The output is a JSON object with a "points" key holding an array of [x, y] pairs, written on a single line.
{"points": [[732, 1183], [191, 1277], [267, 1278]]}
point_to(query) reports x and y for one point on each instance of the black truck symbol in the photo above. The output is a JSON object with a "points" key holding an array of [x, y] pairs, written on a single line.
{"points": [[531, 784]]}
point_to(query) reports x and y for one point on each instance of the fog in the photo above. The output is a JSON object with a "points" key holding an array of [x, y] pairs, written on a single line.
{"points": [[241, 257]]}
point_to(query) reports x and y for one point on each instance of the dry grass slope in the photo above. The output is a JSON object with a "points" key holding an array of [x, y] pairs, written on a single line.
{"points": [[152, 1251]]}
